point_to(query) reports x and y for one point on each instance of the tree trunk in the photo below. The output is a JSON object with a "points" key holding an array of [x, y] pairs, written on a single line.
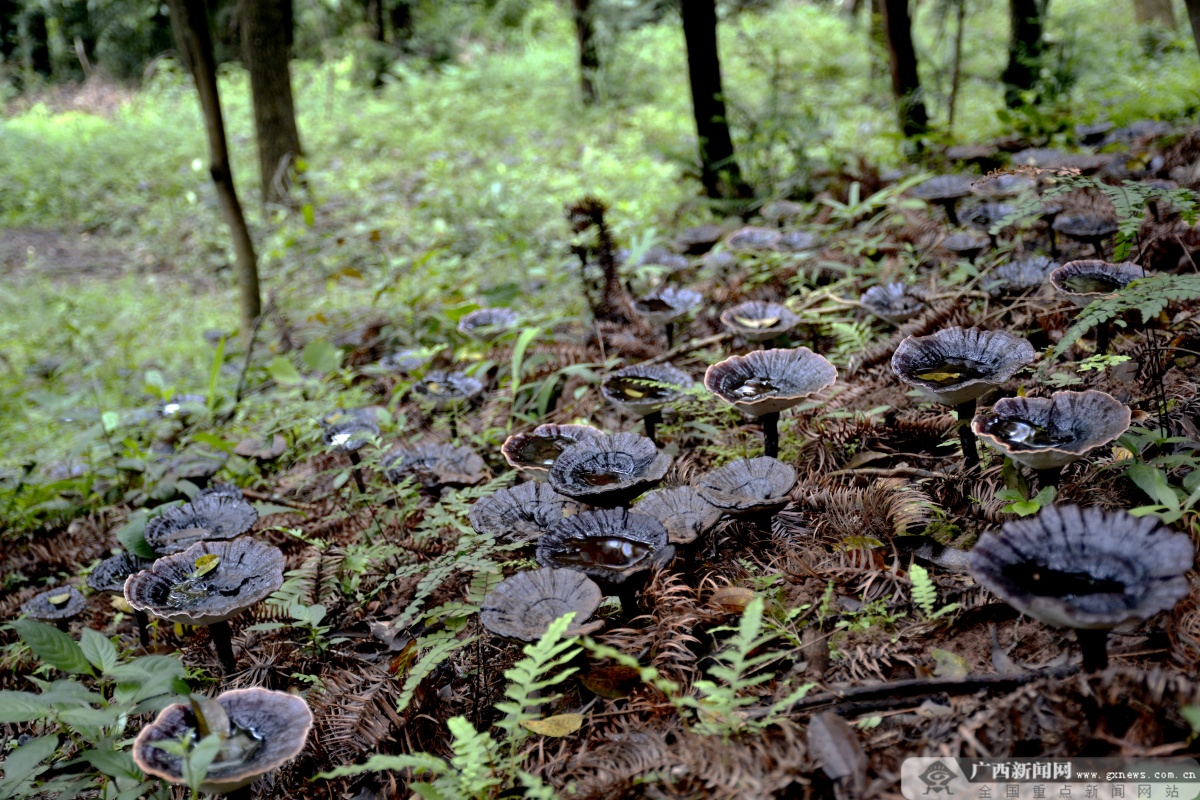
{"points": [[37, 44], [902, 57], [192, 22], [718, 168], [1193, 10], [402, 21], [264, 48], [374, 18], [1154, 12], [10, 34], [1024, 49], [589, 58]]}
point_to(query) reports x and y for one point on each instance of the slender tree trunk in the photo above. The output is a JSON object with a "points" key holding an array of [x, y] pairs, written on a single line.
{"points": [[1155, 12], [1025, 49], [1193, 10], [265, 50], [374, 18], [192, 21], [906, 85], [960, 17], [402, 21], [10, 34], [589, 57], [718, 167], [37, 44]]}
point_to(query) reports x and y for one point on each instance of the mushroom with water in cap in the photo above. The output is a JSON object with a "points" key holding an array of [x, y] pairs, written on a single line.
{"points": [[667, 305], [523, 606], [214, 514], [753, 487], [1092, 279], [644, 389], [757, 321], [609, 470], [536, 452], [436, 465], [348, 434], [449, 391], [896, 303]]}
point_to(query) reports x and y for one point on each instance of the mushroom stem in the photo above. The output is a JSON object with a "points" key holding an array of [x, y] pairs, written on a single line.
{"points": [[244, 793], [62, 625], [770, 425], [670, 335], [627, 594], [454, 426], [354, 462], [763, 523], [1053, 240], [1103, 336], [222, 638], [1094, 644], [1048, 477], [143, 626], [966, 437], [951, 214], [651, 420]]}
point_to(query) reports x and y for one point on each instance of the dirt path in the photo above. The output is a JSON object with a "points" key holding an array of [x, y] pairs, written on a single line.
{"points": [[58, 254]]}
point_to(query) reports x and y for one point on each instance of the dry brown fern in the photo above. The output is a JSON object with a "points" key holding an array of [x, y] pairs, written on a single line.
{"points": [[354, 711]]}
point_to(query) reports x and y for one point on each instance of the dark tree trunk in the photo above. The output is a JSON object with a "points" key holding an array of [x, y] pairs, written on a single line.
{"points": [[264, 48], [10, 34], [38, 43], [402, 21], [1193, 10], [718, 168], [1024, 49], [589, 58], [1154, 12], [191, 20], [902, 56], [374, 19]]}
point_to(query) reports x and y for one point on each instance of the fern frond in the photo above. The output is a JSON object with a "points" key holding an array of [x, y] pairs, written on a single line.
{"points": [[440, 646], [472, 762], [1149, 296], [924, 593], [539, 670], [419, 763]]}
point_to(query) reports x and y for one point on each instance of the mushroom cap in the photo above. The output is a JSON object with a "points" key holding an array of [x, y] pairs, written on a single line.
{"points": [[260, 449], [1050, 158], [1024, 273], [608, 470], [1134, 567], [177, 406], [1085, 227], [966, 243], [943, 188], [448, 389], [488, 324], [522, 512], [523, 606], [40, 607], [893, 302], [772, 318], [350, 434], [405, 361], [217, 513], [436, 465], [788, 376], [1070, 423], [110, 574], [1107, 278], [798, 241], [281, 720], [1006, 184], [748, 485], [537, 451], [658, 385], [618, 544], [991, 356], [682, 511], [667, 304], [246, 572], [752, 239], [985, 215]]}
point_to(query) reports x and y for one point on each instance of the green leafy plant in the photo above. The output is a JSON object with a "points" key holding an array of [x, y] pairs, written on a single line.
{"points": [[1149, 296], [924, 594], [1157, 459]]}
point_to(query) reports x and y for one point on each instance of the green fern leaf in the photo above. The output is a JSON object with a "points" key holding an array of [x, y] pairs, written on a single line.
{"points": [[539, 670], [924, 593], [440, 646]]}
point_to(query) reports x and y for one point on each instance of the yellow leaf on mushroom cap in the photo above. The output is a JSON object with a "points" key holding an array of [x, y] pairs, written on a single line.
{"points": [[206, 564]]}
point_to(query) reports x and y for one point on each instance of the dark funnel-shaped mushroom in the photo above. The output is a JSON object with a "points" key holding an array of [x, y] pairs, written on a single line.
{"points": [[1093, 279], [966, 244], [260, 730], [1022, 274], [208, 584], [1006, 184], [348, 433], [536, 452], [893, 302], [757, 321], [608, 470], [1047, 433], [57, 605], [488, 324], [109, 576], [764, 382], [405, 362], [609, 545], [436, 465], [448, 390], [644, 389], [1085, 568], [751, 239], [521, 513], [752, 487], [523, 606], [666, 305], [214, 514], [682, 511], [945, 191], [956, 365], [1086, 228], [262, 449]]}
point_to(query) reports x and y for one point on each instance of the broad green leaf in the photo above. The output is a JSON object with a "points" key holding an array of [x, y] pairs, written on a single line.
{"points": [[131, 535], [1153, 482], [110, 419], [284, 371], [518, 357], [195, 766], [98, 650], [25, 763], [52, 646], [112, 762], [22, 707], [322, 356]]}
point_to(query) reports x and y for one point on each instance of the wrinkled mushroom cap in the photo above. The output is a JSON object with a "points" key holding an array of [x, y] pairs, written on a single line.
{"points": [[1067, 425], [608, 470], [521, 512], [1120, 275], [214, 514], [1024, 273], [893, 302], [774, 319], [349, 434], [966, 243], [261, 449], [751, 239], [636, 541], [1085, 227], [682, 511], [40, 606], [110, 574], [523, 606], [247, 571], [448, 389], [488, 324], [996, 354], [281, 720], [647, 379], [794, 375], [436, 465], [985, 215], [1136, 566], [537, 451], [405, 361], [1006, 184], [943, 188], [667, 304], [748, 485], [798, 241]]}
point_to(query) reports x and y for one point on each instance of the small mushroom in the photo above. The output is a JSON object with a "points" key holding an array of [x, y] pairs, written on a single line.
{"points": [[666, 305], [1093, 279], [609, 545], [260, 730], [985, 215], [1085, 568], [608, 470], [1086, 228], [207, 585], [262, 449], [181, 406], [1047, 433], [348, 434], [764, 382], [751, 239], [1023, 274], [896, 303], [798, 241], [521, 513], [956, 366], [109, 576], [1003, 185], [644, 389], [536, 452], [757, 321], [683, 512], [753, 487], [214, 514], [488, 324], [449, 391], [523, 606], [945, 191], [57, 605], [405, 362], [436, 465], [966, 244]]}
